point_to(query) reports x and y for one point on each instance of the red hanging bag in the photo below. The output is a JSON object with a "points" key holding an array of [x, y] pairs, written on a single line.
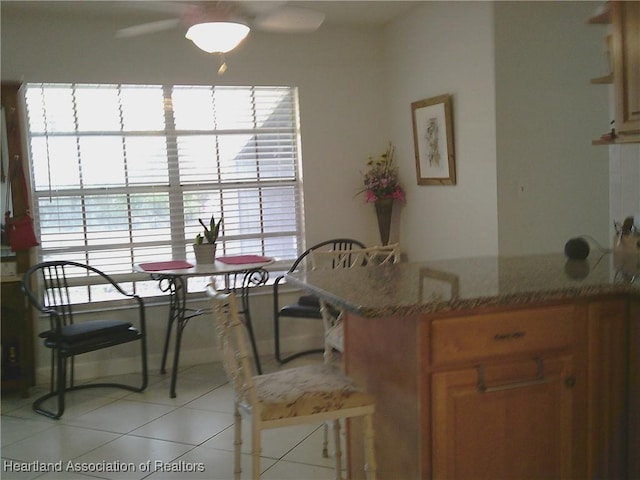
{"points": [[19, 229]]}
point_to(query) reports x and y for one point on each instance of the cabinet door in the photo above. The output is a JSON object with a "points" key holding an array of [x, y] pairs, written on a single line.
{"points": [[634, 390], [17, 342], [608, 379], [507, 420], [626, 48]]}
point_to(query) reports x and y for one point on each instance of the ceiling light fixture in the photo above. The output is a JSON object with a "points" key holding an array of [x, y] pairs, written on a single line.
{"points": [[217, 37]]}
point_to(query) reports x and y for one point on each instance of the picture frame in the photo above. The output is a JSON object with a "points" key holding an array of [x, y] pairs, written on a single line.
{"points": [[433, 141]]}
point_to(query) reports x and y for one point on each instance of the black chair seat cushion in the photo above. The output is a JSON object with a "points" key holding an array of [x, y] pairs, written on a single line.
{"points": [[300, 311], [79, 332], [309, 301], [307, 306]]}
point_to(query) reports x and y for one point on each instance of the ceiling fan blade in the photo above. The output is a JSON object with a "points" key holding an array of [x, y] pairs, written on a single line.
{"points": [[146, 28], [261, 7], [168, 7], [290, 20]]}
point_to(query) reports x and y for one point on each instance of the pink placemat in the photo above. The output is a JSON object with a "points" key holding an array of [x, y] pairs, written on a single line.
{"points": [[242, 259], [169, 265]]}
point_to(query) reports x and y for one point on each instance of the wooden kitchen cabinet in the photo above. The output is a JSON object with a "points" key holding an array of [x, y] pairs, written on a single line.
{"points": [[625, 17], [521, 426], [608, 378], [633, 446], [624, 53], [502, 390], [536, 391], [17, 340], [17, 330]]}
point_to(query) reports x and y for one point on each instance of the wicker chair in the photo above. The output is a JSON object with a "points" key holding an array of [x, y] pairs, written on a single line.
{"points": [[302, 395], [363, 257], [331, 316]]}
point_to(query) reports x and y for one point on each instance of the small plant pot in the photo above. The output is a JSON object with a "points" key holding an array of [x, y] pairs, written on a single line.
{"points": [[205, 253]]}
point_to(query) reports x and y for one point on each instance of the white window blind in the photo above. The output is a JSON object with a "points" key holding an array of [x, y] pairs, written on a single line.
{"points": [[121, 173]]}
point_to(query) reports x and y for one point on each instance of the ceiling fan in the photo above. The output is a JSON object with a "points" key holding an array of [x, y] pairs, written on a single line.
{"points": [[220, 26]]}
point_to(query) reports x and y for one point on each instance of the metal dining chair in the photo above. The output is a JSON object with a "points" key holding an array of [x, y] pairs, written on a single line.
{"points": [[48, 287], [306, 306]]}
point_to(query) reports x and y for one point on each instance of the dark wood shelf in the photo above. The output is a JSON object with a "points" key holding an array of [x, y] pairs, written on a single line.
{"points": [[601, 18], [604, 80], [618, 140]]}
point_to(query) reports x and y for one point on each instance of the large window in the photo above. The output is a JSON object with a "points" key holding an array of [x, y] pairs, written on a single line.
{"points": [[122, 173]]}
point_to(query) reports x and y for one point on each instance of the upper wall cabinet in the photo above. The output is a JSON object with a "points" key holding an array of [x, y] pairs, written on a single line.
{"points": [[625, 18]]}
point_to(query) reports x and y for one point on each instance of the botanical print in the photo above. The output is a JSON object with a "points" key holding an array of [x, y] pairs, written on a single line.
{"points": [[433, 144], [432, 141]]}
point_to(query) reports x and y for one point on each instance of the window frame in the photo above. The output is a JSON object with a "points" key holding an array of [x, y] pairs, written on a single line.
{"points": [[179, 246]]}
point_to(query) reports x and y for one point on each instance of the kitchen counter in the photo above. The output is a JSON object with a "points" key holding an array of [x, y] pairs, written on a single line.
{"points": [[461, 284], [537, 353]]}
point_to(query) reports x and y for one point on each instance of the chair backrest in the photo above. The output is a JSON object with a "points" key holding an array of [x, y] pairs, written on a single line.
{"points": [[233, 344], [334, 245], [356, 257], [49, 287]]}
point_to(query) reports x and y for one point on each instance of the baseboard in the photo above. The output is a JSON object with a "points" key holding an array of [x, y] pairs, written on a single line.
{"points": [[90, 369]]}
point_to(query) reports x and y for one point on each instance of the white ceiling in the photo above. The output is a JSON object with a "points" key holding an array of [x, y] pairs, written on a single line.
{"points": [[354, 13]]}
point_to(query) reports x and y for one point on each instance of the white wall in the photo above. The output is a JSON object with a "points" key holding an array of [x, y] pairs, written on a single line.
{"points": [[524, 117], [447, 48], [552, 183]]}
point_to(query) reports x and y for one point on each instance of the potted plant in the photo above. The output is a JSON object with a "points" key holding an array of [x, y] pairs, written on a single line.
{"points": [[204, 245]]}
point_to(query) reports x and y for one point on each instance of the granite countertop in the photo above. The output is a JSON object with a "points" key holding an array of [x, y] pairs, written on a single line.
{"points": [[428, 287]]}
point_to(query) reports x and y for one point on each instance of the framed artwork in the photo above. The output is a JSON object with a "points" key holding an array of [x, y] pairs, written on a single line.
{"points": [[433, 141]]}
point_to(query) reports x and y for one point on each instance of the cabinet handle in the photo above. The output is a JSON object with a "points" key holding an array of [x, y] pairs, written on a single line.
{"points": [[509, 336], [538, 380]]}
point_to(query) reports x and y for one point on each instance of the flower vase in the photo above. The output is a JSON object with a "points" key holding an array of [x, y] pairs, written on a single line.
{"points": [[205, 253], [384, 208]]}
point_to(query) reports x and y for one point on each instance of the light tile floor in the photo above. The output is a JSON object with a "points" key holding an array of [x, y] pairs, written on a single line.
{"points": [[149, 435]]}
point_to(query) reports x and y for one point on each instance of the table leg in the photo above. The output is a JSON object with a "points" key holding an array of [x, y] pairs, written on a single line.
{"points": [[252, 279], [176, 288], [167, 337], [176, 357]]}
